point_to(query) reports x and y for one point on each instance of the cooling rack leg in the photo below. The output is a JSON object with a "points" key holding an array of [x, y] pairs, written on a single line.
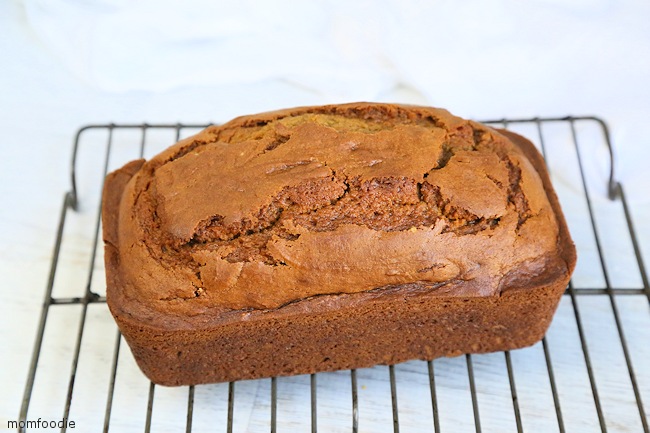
{"points": [[472, 388], [355, 401], [434, 398], [111, 384], [274, 404], [190, 409], [314, 405], [147, 423], [393, 397], [231, 406]]}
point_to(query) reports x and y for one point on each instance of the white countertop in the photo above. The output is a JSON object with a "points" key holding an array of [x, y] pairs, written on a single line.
{"points": [[548, 58]]}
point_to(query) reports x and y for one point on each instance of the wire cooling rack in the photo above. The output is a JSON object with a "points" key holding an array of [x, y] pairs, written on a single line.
{"points": [[590, 373]]}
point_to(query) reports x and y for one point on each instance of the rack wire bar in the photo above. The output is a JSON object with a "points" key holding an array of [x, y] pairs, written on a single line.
{"points": [[615, 192], [513, 392], [547, 353], [635, 243], [91, 298], [551, 379], [587, 358], [94, 298]]}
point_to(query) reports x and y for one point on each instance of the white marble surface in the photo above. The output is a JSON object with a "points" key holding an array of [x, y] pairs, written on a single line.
{"points": [[581, 58]]}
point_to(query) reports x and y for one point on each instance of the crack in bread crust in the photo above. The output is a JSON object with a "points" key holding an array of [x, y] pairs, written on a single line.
{"points": [[378, 203]]}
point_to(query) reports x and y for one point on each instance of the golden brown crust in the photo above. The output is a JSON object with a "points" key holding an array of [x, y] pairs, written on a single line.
{"points": [[458, 216]]}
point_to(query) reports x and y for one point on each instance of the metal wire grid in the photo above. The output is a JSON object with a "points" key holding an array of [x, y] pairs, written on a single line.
{"points": [[616, 192]]}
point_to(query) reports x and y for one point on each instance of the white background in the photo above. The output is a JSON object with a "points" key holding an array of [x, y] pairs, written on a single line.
{"points": [[66, 64]]}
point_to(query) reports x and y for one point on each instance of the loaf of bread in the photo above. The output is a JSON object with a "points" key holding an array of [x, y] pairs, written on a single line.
{"points": [[333, 237]]}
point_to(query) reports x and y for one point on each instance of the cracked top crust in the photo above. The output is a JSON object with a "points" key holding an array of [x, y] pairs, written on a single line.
{"points": [[283, 208]]}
